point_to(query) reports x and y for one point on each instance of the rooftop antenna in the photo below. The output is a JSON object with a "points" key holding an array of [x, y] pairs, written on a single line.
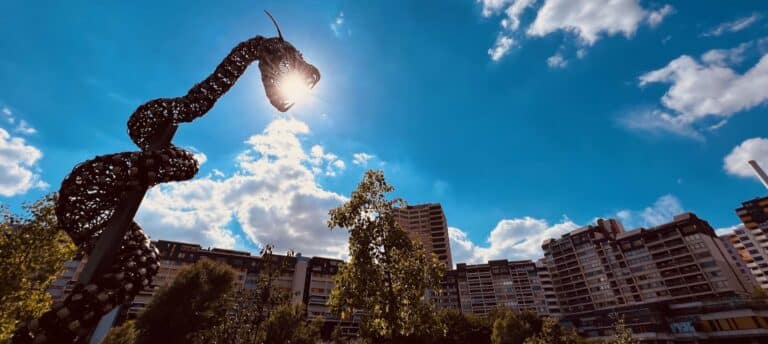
{"points": [[759, 172]]}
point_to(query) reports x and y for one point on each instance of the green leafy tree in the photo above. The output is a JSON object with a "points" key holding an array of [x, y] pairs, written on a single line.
{"points": [[123, 334], [552, 333], [460, 328], [622, 334], [510, 327], [251, 308], [759, 294], [32, 251], [196, 300], [387, 274], [287, 324]]}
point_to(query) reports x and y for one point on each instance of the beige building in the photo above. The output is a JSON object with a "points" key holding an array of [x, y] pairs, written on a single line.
{"points": [[480, 288], [750, 241], [426, 223], [600, 269]]}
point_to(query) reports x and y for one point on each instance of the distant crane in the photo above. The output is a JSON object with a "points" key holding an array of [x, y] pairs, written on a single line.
{"points": [[759, 172]]}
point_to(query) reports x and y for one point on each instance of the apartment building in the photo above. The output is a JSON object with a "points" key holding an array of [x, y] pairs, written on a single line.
{"points": [[600, 269], [749, 259], [481, 288], [750, 241], [426, 223]]}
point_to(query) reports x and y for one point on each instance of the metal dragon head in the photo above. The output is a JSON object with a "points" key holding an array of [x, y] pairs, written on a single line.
{"points": [[287, 78]]}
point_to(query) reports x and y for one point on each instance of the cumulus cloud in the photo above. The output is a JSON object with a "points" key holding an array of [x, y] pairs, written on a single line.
{"points": [[362, 158], [18, 165], [501, 47], [557, 61], [728, 230], [732, 26], [511, 239], [588, 20], [273, 197], [735, 163], [325, 163], [663, 210], [705, 92]]}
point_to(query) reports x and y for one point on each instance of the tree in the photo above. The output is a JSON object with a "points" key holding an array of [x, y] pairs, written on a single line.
{"points": [[123, 334], [32, 251], [251, 308], [286, 324], [510, 327], [552, 333], [759, 294], [196, 300], [387, 275], [460, 328], [622, 334]]}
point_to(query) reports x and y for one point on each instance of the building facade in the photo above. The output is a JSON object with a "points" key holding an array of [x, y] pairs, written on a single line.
{"points": [[426, 223], [601, 269], [750, 241], [481, 288]]}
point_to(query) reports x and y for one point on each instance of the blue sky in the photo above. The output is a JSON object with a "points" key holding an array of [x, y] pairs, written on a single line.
{"points": [[523, 118]]}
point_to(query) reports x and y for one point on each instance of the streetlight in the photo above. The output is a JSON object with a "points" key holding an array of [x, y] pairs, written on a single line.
{"points": [[99, 198]]}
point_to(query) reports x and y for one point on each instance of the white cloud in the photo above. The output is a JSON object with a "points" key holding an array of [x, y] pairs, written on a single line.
{"points": [[724, 57], [273, 196], [501, 47], [338, 26], [733, 26], [704, 92], [658, 122], [663, 210], [491, 7], [325, 163], [513, 12], [18, 165], [8, 115], [362, 158], [735, 163], [656, 17], [590, 19], [727, 230], [557, 61], [511, 239], [25, 128]]}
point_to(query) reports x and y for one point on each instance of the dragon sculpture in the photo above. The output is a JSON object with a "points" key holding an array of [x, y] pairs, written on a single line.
{"points": [[91, 193]]}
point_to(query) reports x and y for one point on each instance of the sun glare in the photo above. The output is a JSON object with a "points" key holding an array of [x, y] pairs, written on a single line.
{"points": [[294, 88]]}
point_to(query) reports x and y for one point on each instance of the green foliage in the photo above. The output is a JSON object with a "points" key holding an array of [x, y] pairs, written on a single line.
{"points": [[251, 308], [32, 251], [510, 327], [552, 333], [621, 333], [286, 324], [123, 334], [387, 274], [459, 328], [196, 300]]}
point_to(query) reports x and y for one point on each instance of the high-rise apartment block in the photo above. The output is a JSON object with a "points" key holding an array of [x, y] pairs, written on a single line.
{"points": [[751, 240], [426, 223], [602, 269], [480, 288]]}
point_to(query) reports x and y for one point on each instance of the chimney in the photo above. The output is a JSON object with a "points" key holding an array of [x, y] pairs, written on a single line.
{"points": [[760, 173]]}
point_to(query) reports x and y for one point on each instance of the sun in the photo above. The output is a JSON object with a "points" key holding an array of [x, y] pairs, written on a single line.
{"points": [[294, 88]]}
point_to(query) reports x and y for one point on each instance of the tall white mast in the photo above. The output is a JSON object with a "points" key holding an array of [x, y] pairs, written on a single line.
{"points": [[760, 173]]}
